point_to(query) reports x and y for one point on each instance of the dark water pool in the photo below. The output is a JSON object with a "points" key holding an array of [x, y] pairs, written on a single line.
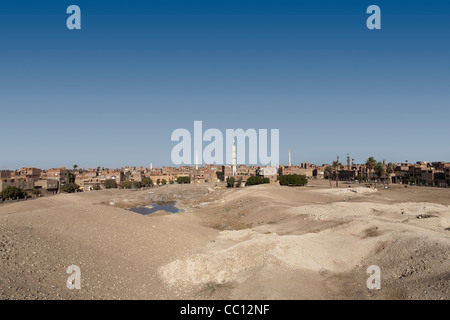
{"points": [[168, 207]]}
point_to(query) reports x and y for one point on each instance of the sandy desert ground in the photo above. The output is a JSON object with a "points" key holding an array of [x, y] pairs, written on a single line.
{"points": [[259, 242]]}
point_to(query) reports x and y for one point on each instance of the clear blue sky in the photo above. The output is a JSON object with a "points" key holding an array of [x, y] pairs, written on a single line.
{"points": [[112, 93]]}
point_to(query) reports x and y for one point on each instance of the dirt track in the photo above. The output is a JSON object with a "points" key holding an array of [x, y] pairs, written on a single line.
{"points": [[260, 242]]}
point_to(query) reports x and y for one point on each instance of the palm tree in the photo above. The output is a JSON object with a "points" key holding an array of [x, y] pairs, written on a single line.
{"points": [[75, 167], [390, 168], [380, 170], [336, 166], [370, 165], [329, 173]]}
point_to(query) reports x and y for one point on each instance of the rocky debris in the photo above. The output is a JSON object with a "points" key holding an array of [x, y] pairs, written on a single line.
{"points": [[184, 195], [417, 266], [425, 216], [349, 191]]}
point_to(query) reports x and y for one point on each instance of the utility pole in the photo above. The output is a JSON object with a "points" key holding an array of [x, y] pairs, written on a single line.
{"points": [[337, 172], [234, 158]]}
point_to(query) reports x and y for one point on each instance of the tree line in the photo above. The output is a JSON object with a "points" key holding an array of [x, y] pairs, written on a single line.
{"points": [[12, 192], [285, 180], [373, 166]]}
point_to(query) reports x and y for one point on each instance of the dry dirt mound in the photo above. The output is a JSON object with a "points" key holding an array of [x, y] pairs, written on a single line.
{"points": [[346, 236], [301, 243], [338, 250]]}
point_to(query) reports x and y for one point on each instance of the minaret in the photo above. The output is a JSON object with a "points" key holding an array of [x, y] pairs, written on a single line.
{"points": [[234, 157], [196, 160], [151, 166], [289, 157]]}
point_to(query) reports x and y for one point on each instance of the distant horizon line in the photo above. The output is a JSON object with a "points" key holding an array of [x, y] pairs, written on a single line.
{"points": [[206, 164]]}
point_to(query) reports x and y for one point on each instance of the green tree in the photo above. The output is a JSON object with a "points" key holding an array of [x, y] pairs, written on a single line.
{"points": [[163, 182], [171, 181], [370, 165], [329, 174], [360, 178], [147, 182], [254, 180], [336, 165], [230, 182], [158, 181], [12, 192], [110, 184], [126, 184], [219, 175], [70, 187], [183, 180], [136, 185], [293, 180], [75, 167], [390, 168], [36, 192], [96, 187], [130, 184], [380, 171]]}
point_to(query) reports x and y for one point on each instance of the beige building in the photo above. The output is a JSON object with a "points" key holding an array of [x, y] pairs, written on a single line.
{"points": [[268, 172], [31, 173], [47, 185], [22, 183], [305, 169]]}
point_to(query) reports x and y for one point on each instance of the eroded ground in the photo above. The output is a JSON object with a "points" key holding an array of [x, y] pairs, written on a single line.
{"points": [[259, 242]]}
